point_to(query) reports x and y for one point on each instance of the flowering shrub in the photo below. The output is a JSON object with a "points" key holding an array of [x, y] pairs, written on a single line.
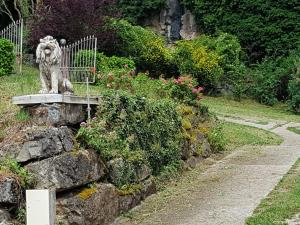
{"points": [[198, 61], [117, 79], [184, 89]]}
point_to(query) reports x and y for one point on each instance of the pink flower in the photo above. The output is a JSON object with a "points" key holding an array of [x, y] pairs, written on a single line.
{"points": [[200, 89], [93, 70], [83, 124], [195, 91]]}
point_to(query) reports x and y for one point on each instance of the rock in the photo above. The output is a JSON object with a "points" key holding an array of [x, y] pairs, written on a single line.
{"points": [[67, 171], [173, 22], [127, 202], [94, 206], [192, 162], [39, 143], [189, 27], [198, 143], [143, 172], [206, 149], [186, 151], [10, 190], [57, 114], [120, 170], [6, 223], [148, 188], [4, 215]]}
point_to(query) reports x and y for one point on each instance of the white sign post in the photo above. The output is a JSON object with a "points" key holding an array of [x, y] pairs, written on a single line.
{"points": [[40, 207]]}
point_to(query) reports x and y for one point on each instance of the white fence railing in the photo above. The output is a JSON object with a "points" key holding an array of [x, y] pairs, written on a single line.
{"points": [[79, 60], [14, 33]]}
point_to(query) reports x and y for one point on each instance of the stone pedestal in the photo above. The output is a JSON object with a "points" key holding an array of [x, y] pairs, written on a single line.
{"points": [[56, 109]]}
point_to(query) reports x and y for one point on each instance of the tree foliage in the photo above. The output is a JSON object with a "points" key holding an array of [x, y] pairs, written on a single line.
{"points": [[265, 28], [7, 57], [73, 19], [136, 10]]}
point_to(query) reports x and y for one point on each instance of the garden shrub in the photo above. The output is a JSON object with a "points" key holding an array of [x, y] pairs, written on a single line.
{"points": [[184, 90], [268, 82], [7, 57], [229, 49], [138, 130], [294, 91], [265, 28], [136, 10], [145, 47], [216, 138], [105, 64], [199, 61]]}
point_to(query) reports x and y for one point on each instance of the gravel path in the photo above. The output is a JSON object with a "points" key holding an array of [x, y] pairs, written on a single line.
{"points": [[229, 190]]}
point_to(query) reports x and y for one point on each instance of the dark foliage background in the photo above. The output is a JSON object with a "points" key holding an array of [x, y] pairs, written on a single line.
{"points": [[75, 19], [265, 28], [137, 10]]}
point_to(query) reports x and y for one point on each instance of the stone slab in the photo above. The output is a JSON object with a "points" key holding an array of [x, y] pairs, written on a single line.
{"points": [[67, 171], [53, 98]]}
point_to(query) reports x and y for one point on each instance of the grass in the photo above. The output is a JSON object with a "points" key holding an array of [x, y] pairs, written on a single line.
{"points": [[239, 135], [294, 129], [249, 109], [282, 203]]}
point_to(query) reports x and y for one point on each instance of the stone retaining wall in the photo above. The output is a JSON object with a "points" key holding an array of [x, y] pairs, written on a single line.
{"points": [[79, 176]]}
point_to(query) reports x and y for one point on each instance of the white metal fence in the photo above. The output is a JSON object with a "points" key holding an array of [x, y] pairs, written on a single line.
{"points": [[79, 60], [14, 33]]}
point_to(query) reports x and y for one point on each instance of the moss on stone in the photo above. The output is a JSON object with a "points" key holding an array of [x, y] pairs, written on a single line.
{"points": [[86, 193]]}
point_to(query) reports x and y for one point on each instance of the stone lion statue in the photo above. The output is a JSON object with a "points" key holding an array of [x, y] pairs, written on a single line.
{"points": [[48, 55]]}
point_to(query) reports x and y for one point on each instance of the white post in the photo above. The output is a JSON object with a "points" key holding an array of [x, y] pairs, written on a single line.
{"points": [[40, 207], [88, 99], [21, 46]]}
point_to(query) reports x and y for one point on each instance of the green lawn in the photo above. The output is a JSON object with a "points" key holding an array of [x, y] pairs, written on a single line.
{"points": [[294, 129], [239, 135], [282, 203], [249, 109]]}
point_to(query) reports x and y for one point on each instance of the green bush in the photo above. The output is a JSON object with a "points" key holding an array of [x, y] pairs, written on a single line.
{"points": [[216, 138], [7, 57], [294, 90], [136, 10], [229, 49], [135, 129], [265, 28], [109, 64], [145, 47], [105, 64], [268, 82], [193, 58]]}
